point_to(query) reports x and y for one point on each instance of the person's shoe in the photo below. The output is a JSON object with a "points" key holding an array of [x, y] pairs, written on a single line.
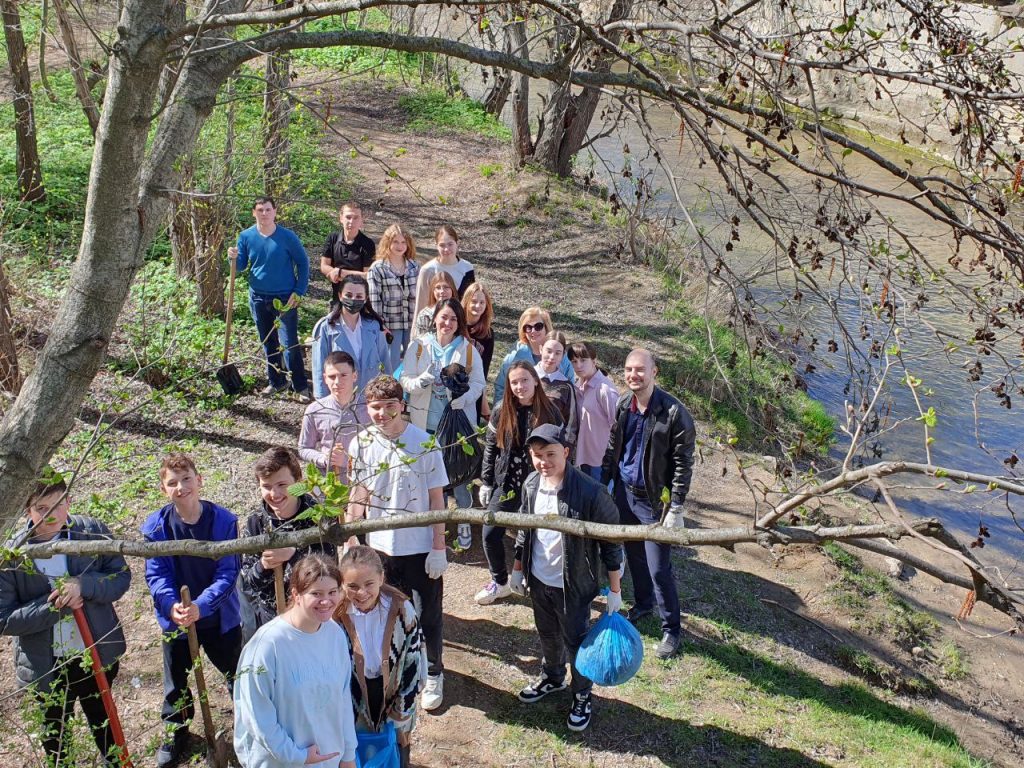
{"points": [[493, 591], [273, 389], [667, 647], [635, 615], [433, 692], [305, 395], [170, 751], [465, 536], [538, 690], [579, 715]]}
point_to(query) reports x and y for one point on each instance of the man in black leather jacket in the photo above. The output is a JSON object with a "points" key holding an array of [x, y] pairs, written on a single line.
{"points": [[650, 461], [561, 571]]}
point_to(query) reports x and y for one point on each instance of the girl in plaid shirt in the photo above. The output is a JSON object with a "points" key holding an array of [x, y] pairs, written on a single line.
{"points": [[392, 281]]}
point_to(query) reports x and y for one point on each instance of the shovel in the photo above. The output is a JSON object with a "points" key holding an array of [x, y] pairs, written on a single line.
{"points": [[219, 753], [104, 685], [279, 598], [228, 376]]}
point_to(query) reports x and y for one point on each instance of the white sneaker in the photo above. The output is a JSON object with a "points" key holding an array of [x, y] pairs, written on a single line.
{"points": [[433, 692], [493, 591], [465, 536]]}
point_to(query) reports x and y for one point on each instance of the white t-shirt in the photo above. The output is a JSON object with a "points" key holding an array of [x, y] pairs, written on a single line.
{"points": [[354, 337], [370, 627], [398, 474], [546, 557], [67, 640]]}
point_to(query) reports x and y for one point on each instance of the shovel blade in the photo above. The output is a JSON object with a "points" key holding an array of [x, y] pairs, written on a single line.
{"points": [[230, 379]]}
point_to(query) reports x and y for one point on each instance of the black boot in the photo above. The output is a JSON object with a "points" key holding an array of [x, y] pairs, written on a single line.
{"points": [[403, 755]]}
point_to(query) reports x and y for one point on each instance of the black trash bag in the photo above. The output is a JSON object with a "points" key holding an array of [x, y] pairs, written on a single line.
{"points": [[462, 458], [456, 378]]}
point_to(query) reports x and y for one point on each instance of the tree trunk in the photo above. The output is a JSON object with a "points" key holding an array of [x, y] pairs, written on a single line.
{"points": [[566, 119], [44, 16], [522, 143], [30, 173], [78, 73], [126, 204], [277, 111], [10, 378]]}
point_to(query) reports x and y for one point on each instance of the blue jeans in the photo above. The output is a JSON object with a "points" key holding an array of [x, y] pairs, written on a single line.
{"points": [[396, 349], [650, 563], [274, 334], [594, 472]]}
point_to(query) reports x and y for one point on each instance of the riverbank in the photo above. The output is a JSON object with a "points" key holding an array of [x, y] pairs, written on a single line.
{"points": [[796, 658]]}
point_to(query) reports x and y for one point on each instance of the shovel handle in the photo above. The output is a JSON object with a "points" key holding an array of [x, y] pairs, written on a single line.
{"points": [[104, 685], [197, 667], [230, 309], [279, 597]]}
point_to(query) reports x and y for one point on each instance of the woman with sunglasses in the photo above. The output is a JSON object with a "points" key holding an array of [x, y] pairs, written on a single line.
{"points": [[534, 327], [392, 279]]}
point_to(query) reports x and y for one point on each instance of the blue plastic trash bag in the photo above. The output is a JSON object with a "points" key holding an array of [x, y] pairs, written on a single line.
{"points": [[612, 651], [378, 750]]}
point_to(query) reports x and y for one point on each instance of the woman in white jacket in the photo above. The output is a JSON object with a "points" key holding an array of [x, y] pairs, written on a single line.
{"points": [[448, 343]]}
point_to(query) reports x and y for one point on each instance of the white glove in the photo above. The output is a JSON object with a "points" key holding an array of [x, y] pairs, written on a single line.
{"points": [[458, 403], [517, 581], [674, 518], [437, 563], [485, 495], [614, 601], [425, 379]]}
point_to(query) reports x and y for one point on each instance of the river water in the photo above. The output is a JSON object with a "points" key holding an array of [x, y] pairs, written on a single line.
{"points": [[964, 409]]}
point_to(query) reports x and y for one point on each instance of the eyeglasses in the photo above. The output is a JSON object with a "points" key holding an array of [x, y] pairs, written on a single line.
{"points": [[534, 327]]}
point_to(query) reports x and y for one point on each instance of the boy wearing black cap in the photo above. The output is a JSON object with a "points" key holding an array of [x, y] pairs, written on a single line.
{"points": [[559, 570]]}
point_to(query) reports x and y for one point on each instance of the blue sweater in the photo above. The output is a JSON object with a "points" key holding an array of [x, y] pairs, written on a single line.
{"points": [[278, 265], [165, 575], [522, 351]]}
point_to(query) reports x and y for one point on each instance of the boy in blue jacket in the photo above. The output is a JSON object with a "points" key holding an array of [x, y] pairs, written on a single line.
{"points": [[215, 608]]}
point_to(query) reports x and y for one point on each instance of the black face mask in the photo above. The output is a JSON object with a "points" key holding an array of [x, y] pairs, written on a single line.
{"points": [[354, 306]]}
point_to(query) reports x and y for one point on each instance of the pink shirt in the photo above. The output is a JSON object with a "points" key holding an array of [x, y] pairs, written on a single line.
{"points": [[597, 399]]}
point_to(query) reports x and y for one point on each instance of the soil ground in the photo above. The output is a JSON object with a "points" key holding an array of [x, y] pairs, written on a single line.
{"points": [[777, 612]]}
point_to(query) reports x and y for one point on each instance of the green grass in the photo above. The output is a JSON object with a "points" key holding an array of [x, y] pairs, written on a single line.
{"points": [[759, 403], [431, 109]]}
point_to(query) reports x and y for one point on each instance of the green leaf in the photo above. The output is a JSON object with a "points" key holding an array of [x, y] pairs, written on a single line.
{"points": [[278, 305], [468, 449], [298, 489], [941, 473], [929, 417], [666, 497]]}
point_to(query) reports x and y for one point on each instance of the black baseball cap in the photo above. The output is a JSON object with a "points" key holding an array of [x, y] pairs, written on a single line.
{"points": [[549, 434]]}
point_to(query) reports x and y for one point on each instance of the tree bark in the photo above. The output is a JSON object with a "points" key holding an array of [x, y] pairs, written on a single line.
{"points": [[277, 111], [522, 142], [10, 377], [30, 173], [127, 201], [78, 73]]}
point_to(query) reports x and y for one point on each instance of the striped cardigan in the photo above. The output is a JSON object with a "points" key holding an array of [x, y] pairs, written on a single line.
{"points": [[404, 663]]}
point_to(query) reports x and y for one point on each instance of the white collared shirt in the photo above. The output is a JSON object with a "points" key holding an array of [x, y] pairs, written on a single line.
{"points": [[546, 558]]}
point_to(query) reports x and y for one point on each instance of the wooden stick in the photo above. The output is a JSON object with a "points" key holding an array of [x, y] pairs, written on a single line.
{"points": [[279, 597], [197, 666]]}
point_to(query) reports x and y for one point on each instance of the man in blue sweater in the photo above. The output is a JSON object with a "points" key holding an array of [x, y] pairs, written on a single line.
{"points": [[278, 273], [215, 608]]}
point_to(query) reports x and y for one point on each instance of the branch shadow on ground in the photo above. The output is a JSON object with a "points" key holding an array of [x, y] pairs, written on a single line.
{"points": [[618, 727]]}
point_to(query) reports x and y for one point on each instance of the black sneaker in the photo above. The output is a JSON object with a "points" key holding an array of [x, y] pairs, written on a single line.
{"points": [[540, 689], [634, 614], [579, 715], [667, 647], [170, 751]]}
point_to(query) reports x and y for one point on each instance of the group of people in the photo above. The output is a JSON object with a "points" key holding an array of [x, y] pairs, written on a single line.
{"points": [[359, 644]]}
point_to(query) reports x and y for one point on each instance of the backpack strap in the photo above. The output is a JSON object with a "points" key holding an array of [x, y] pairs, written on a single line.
{"points": [[469, 356]]}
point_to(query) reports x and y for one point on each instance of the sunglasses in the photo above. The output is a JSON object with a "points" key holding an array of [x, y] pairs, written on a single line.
{"points": [[535, 327]]}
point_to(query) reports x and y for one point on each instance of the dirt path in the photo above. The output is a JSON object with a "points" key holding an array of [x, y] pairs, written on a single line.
{"points": [[748, 611]]}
